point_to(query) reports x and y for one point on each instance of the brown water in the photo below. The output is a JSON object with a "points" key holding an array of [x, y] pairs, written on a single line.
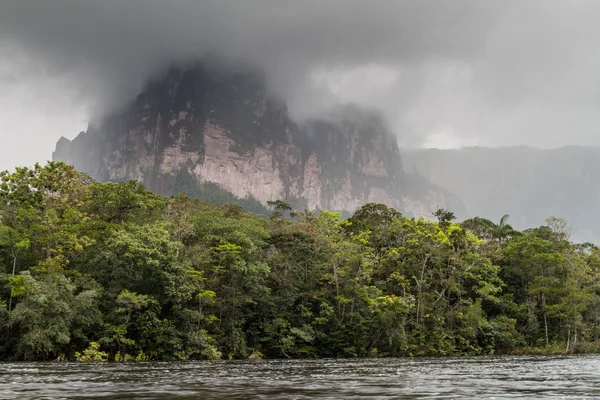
{"points": [[425, 378]]}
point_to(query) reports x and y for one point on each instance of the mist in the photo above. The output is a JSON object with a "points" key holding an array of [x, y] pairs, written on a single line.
{"points": [[444, 73]]}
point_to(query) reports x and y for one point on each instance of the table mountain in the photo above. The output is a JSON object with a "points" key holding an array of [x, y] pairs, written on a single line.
{"points": [[200, 127]]}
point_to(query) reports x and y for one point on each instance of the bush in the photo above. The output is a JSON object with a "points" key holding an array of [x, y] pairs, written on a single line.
{"points": [[92, 354], [256, 355]]}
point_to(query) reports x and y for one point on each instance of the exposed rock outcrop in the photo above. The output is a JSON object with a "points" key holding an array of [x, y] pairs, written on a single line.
{"points": [[223, 128]]}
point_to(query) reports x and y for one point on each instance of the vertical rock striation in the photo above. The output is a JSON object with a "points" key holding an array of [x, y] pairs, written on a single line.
{"points": [[223, 128]]}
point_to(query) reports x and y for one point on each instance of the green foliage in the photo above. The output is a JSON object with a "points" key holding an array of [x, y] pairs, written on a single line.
{"points": [[256, 355], [92, 354], [109, 271], [16, 283], [141, 357]]}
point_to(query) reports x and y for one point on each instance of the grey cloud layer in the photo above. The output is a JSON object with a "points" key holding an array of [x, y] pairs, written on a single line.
{"points": [[487, 72]]}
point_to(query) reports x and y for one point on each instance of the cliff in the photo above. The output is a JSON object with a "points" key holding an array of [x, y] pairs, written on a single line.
{"points": [[527, 183], [201, 126]]}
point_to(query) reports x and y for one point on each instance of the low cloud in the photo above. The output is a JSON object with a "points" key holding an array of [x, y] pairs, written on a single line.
{"points": [[468, 72]]}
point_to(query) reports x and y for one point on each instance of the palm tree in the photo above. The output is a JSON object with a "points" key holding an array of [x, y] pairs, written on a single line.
{"points": [[503, 229]]}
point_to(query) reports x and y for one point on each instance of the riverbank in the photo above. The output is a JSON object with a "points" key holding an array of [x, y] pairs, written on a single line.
{"points": [[111, 271]]}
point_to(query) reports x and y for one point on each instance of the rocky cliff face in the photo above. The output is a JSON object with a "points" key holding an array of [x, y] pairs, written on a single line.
{"points": [[201, 126], [529, 184]]}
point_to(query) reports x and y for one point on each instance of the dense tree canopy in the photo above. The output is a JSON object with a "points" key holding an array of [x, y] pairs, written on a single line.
{"points": [[100, 271]]}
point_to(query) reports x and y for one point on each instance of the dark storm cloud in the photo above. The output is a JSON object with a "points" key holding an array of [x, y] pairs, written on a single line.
{"points": [[489, 72], [123, 41]]}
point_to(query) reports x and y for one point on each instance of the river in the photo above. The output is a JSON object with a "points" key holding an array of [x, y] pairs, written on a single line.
{"points": [[420, 378]]}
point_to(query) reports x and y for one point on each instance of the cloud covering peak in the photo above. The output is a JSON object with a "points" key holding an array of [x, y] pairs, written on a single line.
{"points": [[471, 72]]}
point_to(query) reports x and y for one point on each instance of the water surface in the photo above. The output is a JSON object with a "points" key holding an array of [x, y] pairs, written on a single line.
{"points": [[424, 378]]}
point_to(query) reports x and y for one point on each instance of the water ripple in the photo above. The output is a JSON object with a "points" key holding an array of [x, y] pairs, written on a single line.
{"points": [[424, 378]]}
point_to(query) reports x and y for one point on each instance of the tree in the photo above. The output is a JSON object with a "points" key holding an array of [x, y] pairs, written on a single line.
{"points": [[97, 271], [49, 313], [480, 227], [503, 229], [279, 208], [444, 217]]}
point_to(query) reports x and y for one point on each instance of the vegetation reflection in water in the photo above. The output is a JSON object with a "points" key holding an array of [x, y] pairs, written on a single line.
{"points": [[111, 272]]}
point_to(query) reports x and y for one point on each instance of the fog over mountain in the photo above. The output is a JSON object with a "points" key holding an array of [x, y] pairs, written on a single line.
{"points": [[529, 184], [444, 73]]}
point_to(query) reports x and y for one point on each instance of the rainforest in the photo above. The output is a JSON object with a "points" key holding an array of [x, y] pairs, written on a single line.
{"points": [[110, 271]]}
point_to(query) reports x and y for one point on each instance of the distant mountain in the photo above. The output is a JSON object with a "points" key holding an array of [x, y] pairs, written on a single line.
{"points": [[527, 183], [196, 127]]}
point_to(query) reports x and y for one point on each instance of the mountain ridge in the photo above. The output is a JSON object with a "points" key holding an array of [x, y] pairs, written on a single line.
{"points": [[529, 184]]}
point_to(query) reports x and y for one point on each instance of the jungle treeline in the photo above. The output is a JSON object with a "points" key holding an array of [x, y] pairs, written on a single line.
{"points": [[110, 271]]}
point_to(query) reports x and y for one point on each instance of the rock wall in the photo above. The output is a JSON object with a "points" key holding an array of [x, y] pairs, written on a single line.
{"points": [[223, 128]]}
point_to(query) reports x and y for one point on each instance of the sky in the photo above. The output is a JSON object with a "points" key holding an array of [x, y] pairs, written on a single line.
{"points": [[444, 73]]}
